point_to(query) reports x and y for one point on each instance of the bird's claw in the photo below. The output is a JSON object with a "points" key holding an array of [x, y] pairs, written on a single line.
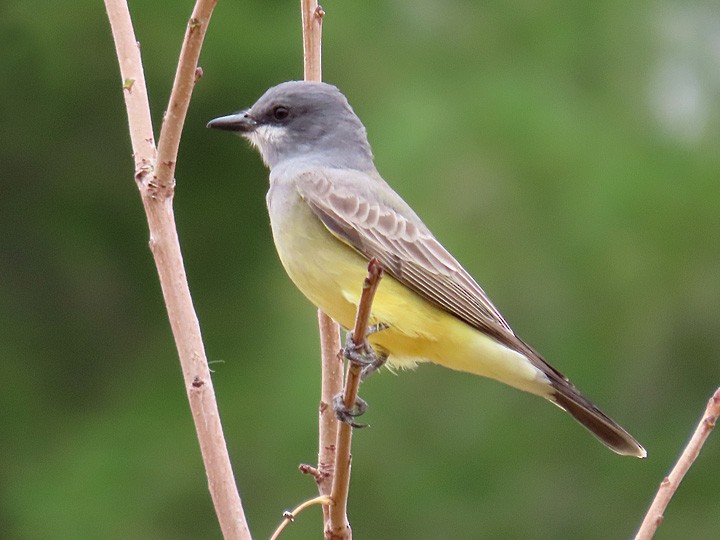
{"points": [[371, 368], [348, 415], [363, 353]]}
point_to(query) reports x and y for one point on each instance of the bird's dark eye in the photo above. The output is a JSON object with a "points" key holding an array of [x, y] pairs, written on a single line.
{"points": [[280, 112]]}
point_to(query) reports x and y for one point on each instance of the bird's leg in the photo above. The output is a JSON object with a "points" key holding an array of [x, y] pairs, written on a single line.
{"points": [[364, 356]]}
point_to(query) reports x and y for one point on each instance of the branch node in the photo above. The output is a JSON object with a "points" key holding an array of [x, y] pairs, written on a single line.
{"points": [[308, 469], [142, 170], [312, 471], [159, 191], [319, 12]]}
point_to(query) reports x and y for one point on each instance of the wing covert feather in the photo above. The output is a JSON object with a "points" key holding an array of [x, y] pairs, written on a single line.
{"points": [[391, 232]]}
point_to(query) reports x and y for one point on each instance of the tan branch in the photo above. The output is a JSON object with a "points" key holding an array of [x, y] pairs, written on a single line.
{"points": [[133, 83], [339, 527], [185, 78], [331, 386], [332, 373], [156, 193], [312, 16], [669, 485]]}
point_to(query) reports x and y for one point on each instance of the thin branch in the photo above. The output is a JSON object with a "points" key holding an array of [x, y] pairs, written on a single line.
{"points": [[362, 319], [133, 83], [312, 16], [669, 485], [331, 386], [289, 517], [332, 373], [185, 78], [156, 193], [339, 525]]}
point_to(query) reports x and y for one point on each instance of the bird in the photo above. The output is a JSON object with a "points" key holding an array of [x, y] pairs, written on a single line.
{"points": [[331, 213]]}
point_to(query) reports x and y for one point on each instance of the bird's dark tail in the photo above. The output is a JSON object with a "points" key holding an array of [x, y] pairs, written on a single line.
{"points": [[604, 428]]}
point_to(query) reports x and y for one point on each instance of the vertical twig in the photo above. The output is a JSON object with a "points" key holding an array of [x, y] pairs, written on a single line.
{"points": [[156, 185], [133, 78], [669, 485], [185, 79], [312, 17], [339, 525], [332, 376]]}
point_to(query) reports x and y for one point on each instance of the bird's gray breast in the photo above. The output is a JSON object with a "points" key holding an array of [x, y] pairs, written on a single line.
{"points": [[300, 237]]}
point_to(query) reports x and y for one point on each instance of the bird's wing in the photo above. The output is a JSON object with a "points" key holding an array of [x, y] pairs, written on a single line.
{"points": [[391, 232]]}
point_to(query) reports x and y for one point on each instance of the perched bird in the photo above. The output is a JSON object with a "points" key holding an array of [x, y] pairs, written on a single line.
{"points": [[331, 212]]}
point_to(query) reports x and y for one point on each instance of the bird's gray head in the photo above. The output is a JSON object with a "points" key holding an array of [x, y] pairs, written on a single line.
{"points": [[308, 121]]}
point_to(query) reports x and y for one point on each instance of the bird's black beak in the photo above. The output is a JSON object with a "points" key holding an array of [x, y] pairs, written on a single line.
{"points": [[241, 122]]}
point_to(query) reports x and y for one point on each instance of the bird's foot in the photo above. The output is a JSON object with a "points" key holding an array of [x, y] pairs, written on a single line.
{"points": [[375, 328], [348, 415], [371, 368], [363, 353]]}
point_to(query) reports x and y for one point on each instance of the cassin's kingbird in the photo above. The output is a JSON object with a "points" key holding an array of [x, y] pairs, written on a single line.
{"points": [[331, 212]]}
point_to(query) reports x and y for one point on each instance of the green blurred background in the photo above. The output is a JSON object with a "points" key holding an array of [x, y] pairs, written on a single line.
{"points": [[565, 151]]}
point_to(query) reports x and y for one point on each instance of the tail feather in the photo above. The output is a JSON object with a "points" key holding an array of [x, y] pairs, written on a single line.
{"points": [[594, 420], [567, 397]]}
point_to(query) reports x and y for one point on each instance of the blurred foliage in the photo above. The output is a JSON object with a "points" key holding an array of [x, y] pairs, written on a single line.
{"points": [[565, 151]]}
